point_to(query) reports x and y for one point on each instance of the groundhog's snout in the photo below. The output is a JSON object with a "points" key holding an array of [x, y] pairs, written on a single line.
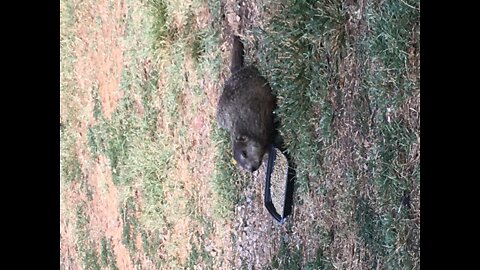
{"points": [[253, 168], [248, 153], [250, 165]]}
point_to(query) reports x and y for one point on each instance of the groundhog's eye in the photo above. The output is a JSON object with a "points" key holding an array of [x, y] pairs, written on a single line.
{"points": [[244, 154]]}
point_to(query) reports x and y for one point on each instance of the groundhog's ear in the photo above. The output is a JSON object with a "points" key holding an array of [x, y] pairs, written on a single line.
{"points": [[241, 138]]}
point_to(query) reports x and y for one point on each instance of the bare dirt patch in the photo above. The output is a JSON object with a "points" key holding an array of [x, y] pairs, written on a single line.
{"points": [[105, 219], [99, 63], [99, 50]]}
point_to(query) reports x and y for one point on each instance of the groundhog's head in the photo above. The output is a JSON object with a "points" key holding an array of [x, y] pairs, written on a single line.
{"points": [[248, 152]]}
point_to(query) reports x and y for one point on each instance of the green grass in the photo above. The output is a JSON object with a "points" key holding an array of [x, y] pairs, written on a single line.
{"points": [[203, 46], [292, 256], [319, 262], [105, 253], [303, 68], [288, 257], [86, 248], [69, 162], [387, 227], [67, 39], [135, 150], [151, 241], [227, 180], [305, 34], [196, 255], [130, 224]]}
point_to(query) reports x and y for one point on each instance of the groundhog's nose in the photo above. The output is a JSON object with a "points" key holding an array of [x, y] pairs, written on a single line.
{"points": [[254, 168]]}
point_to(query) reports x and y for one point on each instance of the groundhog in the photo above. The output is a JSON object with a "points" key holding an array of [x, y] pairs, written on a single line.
{"points": [[245, 110]]}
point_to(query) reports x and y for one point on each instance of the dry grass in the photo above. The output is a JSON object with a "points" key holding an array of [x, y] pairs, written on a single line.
{"points": [[143, 153]]}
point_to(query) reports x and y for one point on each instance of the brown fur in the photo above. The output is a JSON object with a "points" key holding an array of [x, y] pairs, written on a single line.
{"points": [[245, 110]]}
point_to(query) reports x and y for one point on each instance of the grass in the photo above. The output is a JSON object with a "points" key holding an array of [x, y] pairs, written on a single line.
{"points": [[86, 248], [356, 152], [67, 37], [151, 242], [305, 68], [394, 169], [288, 257], [142, 148], [306, 34], [227, 180], [69, 163], [70, 169], [198, 254], [202, 46], [138, 154], [106, 254], [130, 225]]}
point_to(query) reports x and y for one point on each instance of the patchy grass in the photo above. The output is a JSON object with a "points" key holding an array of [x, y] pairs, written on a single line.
{"points": [[151, 243], [171, 69], [70, 169], [228, 181], [348, 92], [309, 38], [390, 227], [288, 257], [130, 224], [86, 248], [198, 254], [67, 39], [202, 46], [107, 257], [349, 105]]}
